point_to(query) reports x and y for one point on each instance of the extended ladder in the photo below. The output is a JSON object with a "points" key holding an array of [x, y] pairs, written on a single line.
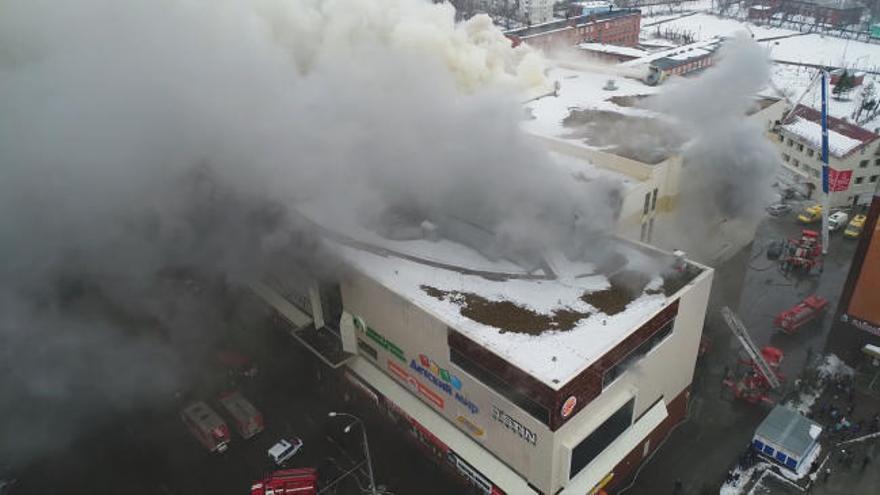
{"points": [[738, 329]]}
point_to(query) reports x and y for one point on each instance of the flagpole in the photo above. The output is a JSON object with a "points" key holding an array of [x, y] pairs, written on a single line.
{"points": [[826, 197]]}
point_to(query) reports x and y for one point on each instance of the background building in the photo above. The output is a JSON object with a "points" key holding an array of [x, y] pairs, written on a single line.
{"points": [[615, 27], [857, 321], [852, 150]]}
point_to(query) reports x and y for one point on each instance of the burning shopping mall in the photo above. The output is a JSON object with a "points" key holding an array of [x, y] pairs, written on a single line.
{"points": [[528, 375]]}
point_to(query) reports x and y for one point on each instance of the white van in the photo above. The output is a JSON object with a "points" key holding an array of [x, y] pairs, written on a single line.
{"points": [[837, 220]]}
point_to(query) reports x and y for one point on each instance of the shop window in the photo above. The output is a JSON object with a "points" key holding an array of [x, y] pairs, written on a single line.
{"points": [[603, 436], [518, 397], [368, 350], [639, 352]]}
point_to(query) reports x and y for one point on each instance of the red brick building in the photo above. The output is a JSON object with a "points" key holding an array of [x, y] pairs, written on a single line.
{"points": [[832, 12], [615, 27]]}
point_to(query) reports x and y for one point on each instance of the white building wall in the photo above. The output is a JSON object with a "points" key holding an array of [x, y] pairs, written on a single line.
{"points": [[665, 372], [802, 167]]}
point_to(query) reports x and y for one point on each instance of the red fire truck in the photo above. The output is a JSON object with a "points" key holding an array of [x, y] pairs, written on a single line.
{"points": [[207, 426], [301, 481], [247, 419], [811, 308]]}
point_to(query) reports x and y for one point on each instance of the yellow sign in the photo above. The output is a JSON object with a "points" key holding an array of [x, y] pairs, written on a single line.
{"points": [[470, 427], [602, 484]]}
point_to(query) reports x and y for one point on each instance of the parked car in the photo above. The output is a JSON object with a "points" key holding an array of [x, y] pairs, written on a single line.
{"points": [[248, 421], [778, 209], [282, 451], [810, 214], [837, 220], [854, 229]]}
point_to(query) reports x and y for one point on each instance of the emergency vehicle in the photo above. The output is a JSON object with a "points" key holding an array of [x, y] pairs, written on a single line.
{"points": [[247, 419], [207, 426], [301, 481]]}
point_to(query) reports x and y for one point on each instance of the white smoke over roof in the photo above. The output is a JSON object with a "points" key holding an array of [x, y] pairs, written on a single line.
{"points": [[147, 134]]}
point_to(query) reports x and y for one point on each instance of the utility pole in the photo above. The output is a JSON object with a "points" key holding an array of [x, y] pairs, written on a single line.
{"points": [[347, 429]]}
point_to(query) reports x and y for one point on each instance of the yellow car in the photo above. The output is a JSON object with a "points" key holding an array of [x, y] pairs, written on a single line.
{"points": [[811, 214], [855, 226]]}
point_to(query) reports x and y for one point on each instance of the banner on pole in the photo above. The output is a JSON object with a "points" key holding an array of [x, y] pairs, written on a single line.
{"points": [[838, 180]]}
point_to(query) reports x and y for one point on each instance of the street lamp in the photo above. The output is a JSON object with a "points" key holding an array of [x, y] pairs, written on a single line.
{"points": [[347, 429]]}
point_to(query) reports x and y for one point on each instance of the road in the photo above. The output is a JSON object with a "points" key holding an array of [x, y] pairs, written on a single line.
{"points": [[718, 430]]}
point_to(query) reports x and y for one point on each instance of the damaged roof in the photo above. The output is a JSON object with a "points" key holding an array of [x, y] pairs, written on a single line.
{"points": [[551, 322]]}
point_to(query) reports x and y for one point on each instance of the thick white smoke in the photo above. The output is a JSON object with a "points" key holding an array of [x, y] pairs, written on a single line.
{"points": [[141, 135], [728, 163]]}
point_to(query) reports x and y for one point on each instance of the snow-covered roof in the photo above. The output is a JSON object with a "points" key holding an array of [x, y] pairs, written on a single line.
{"points": [[688, 51], [582, 89], [844, 138], [552, 323], [789, 430], [626, 51]]}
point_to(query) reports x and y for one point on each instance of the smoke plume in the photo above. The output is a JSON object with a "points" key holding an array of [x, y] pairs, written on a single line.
{"points": [[728, 163], [152, 137]]}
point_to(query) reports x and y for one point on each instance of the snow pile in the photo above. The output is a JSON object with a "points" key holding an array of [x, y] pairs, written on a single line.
{"points": [[833, 366]]}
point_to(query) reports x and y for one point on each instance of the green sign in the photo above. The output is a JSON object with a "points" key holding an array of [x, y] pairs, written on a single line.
{"points": [[380, 339]]}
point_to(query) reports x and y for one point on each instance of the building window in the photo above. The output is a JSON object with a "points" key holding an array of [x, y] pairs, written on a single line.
{"points": [[863, 163], [877, 162], [795, 163], [634, 355], [600, 438], [647, 207], [790, 142], [654, 200], [368, 350], [800, 147], [650, 229], [810, 152], [785, 157], [873, 178], [859, 180], [518, 397]]}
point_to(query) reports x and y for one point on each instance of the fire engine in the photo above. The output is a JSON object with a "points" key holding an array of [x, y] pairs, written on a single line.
{"points": [[762, 375], [301, 481], [790, 320], [247, 419], [208, 428], [802, 254]]}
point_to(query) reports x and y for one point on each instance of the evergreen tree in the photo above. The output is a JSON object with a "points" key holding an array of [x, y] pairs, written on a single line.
{"points": [[844, 85]]}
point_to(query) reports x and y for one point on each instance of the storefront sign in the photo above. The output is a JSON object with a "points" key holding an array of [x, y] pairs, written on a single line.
{"points": [[379, 339], [424, 391], [568, 406], [441, 373], [861, 325], [838, 180], [475, 477], [513, 425], [471, 428], [443, 380]]}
